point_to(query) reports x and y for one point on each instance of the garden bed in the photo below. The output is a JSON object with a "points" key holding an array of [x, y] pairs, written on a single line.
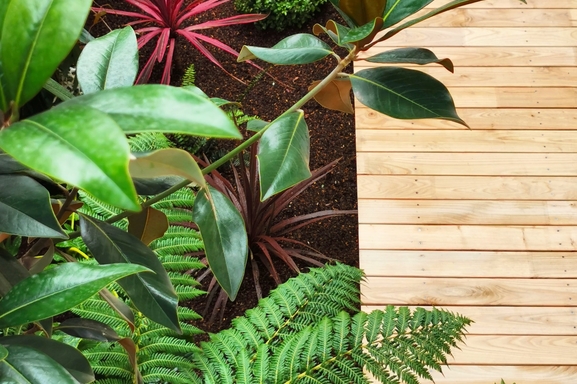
{"points": [[332, 133]]}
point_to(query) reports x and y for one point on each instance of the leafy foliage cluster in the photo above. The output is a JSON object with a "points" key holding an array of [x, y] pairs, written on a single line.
{"points": [[282, 14]]}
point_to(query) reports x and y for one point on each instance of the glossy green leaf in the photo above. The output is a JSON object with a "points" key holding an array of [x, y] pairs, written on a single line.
{"points": [[118, 306], [110, 61], [25, 365], [26, 210], [88, 329], [283, 154], [151, 294], [225, 240], [302, 48], [256, 125], [160, 108], [3, 353], [3, 89], [404, 94], [58, 289], [335, 31], [70, 358], [364, 34], [38, 263], [11, 272], [398, 10], [166, 162], [419, 56], [148, 187], [362, 11], [78, 145], [3, 9], [37, 35], [148, 224]]}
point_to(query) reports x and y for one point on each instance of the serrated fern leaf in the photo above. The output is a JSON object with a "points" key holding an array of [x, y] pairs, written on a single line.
{"points": [[148, 141]]}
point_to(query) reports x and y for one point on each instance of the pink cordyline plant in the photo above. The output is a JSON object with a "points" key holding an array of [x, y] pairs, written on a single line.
{"points": [[163, 20]]}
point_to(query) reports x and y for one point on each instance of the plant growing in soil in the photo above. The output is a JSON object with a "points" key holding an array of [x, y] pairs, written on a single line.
{"points": [[164, 20]]}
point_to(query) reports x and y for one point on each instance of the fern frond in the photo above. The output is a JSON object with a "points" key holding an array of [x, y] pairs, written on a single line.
{"points": [[148, 141], [189, 76], [176, 246], [100, 210], [97, 309], [169, 344], [177, 278], [167, 375], [183, 198], [186, 292], [177, 215]]}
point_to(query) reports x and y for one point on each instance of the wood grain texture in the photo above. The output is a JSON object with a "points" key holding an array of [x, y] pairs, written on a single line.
{"points": [[497, 76], [372, 140], [467, 187], [468, 237], [477, 119], [471, 374], [475, 164], [512, 320], [516, 4], [499, 17], [483, 37], [517, 97], [470, 292], [509, 56], [487, 264], [467, 212]]}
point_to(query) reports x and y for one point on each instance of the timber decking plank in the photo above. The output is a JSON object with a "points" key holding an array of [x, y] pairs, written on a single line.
{"points": [[467, 212], [517, 4], [514, 97], [512, 320], [490, 56], [421, 291], [471, 374], [479, 164], [420, 263], [468, 237], [477, 119], [497, 76], [373, 140], [466, 187]]}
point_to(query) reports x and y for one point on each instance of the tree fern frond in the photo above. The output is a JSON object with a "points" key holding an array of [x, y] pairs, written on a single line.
{"points": [[176, 246], [97, 309], [179, 263], [100, 210], [186, 292], [183, 198], [177, 278], [167, 360], [167, 375], [169, 344], [177, 215], [110, 381], [187, 314], [148, 141]]}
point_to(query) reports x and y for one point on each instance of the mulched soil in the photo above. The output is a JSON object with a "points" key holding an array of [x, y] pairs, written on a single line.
{"points": [[332, 133]]}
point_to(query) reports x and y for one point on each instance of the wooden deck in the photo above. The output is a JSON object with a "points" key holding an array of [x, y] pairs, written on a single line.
{"points": [[483, 221]]}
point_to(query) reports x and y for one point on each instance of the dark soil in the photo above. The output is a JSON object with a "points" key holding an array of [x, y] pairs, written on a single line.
{"points": [[332, 133]]}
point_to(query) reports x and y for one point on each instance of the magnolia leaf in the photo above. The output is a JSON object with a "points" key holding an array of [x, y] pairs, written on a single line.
{"points": [[335, 31], [283, 154], [154, 186], [110, 61], [151, 294], [28, 365], [256, 125], [70, 358], [362, 11], [25, 209], [225, 240], [46, 326], [404, 94], [148, 225], [39, 263], [3, 353], [166, 162], [37, 36], [79, 145], [3, 9], [57, 205], [336, 95], [160, 108], [131, 349], [398, 10], [419, 56], [88, 329], [58, 289], [363, 35], [302, 48], [119, 306], [11, 272]]}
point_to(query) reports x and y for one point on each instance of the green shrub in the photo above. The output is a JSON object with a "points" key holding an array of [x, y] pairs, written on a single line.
{"points": [[282, 13]]}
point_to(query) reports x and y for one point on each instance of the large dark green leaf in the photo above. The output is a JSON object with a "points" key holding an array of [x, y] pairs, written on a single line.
{"points": [[419, 56], [224, 235], [364, 34], [155, 185], [335, 31], [58, 289], [302, 48], [37, 36], [79, 145], [152, 294], [26, 210], [398, 10], [68, 357], [160, 108], [11, 272], [25, 365], [3, 9], [362, 11], [283, 154], [3, 353], [404, 94], [110, 61], [88, 329]]}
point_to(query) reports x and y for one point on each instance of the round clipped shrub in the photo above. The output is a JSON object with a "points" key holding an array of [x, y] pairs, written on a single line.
{"points": [[282, 13]]}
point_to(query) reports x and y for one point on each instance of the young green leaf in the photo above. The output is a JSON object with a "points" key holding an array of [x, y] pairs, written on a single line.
{"points": [[148, 224], [336, 95], [283, 154], [404, 94], [27, 365], [398, 10], [419, 56], [160, 108], [225, 239], [302, 48], [70, 358], [110, 61], [151, 294], [26, 210], [364, 34], [335, 31], [58, 289], [79, 145], [37, 36], [166, 162]]}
